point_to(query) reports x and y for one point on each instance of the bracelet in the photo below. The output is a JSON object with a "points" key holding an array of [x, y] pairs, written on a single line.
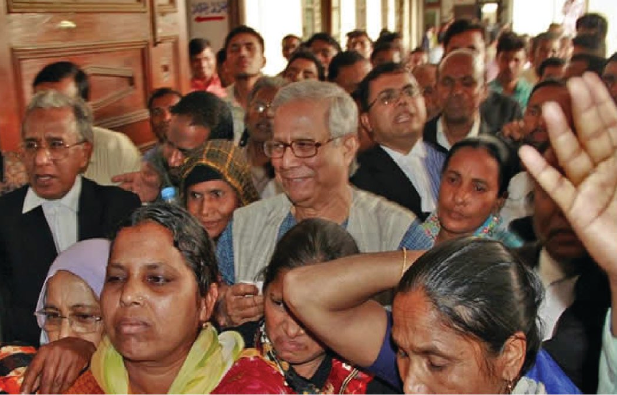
{"points": [[404, 265]]}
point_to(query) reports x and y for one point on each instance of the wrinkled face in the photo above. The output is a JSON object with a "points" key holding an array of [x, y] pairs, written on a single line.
{"points": [[245, 56], [609, 76], [301, 69], [151, 305], [290, 339], [258, 117], [324, 52], [349, 77], [391, 55], [213, 204], [427, 80], [203, 65], [70, 296], [309, 182], [471, 39], [361, 45], [545, 49], [534, 126], [460, 90], [400, 119], [160, 115], [289, 45], [511, 64], [184, 137], [469, 191], [53, 178], [433, 358]]}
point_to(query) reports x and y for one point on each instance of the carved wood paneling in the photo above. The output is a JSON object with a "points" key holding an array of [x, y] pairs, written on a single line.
{"points": [[165, 63], [44, 6]]}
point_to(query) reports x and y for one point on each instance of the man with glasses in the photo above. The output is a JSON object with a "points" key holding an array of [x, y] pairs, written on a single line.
{"points": [[461, 88], [258, 122], [401, 167], [58, 208], [313, 146]]}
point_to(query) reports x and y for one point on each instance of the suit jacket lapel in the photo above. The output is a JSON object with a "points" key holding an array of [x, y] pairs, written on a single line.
{"points": [[89, 213]]}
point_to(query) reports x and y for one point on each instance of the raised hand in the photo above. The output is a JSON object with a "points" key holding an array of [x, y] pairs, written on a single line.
{"points": [[587, 194]]}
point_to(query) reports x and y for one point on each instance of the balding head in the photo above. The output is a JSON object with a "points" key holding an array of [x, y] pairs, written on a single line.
{"points": [[464, 56]]}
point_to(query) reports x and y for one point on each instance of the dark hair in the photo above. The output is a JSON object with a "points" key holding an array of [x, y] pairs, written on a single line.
{"points": [[589, 42], [550, 62], [160, 92], [382, 46], [311, 241], [308, 55], [388, 37], [499, 150], [343, 59], [549, 82], [594, 63], [376, 72], [358, 33], [189, 237], [593, 21], [509, 41], [461, 26], [480, 289], [243, 29], [207, 110], [611, 59], [417, 50], [323, 36], [221, 56], [291, 36], [55, 72], [197, 46]]}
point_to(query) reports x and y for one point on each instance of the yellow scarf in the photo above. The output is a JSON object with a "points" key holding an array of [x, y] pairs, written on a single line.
{"points": [[209, 359]]}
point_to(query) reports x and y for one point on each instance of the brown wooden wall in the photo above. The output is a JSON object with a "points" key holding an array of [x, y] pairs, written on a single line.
{"points": [[127, 47]]}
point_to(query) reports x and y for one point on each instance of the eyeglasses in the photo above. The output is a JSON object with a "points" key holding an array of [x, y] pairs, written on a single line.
{"points": [[261, 107], [55, 148], [79, 322], [300, 148], [392, 96]]}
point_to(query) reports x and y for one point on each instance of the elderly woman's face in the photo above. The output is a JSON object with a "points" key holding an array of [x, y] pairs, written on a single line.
{"points": [[434, 358], [72, 309], [212, 203], [290, 339], [151, 305], [469, 191]]}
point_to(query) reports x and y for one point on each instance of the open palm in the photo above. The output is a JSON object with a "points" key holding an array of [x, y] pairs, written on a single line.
{"points": [[587, 194]]}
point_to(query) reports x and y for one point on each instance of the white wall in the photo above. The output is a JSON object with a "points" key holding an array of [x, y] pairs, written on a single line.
{"points": [[274, 19]]}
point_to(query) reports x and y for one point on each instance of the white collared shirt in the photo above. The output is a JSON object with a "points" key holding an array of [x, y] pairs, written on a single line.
{"points": [[61, 214], [559, 292], [442, 139], [414, 168]]}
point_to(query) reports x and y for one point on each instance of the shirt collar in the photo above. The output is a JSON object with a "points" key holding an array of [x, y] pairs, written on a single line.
{"points": [[441, 131], [70, 200], [418, 151]]}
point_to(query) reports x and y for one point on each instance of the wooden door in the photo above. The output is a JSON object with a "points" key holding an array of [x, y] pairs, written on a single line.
{"points": [[127, 47]]}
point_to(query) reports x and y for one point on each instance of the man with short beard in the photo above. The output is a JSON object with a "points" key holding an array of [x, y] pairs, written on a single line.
{"points": [[461, 89]]}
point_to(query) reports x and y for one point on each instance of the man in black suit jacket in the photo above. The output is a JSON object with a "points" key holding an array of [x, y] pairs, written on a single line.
{"points": [[577, 292], [58, 208], [400, 167], [461, 88]]}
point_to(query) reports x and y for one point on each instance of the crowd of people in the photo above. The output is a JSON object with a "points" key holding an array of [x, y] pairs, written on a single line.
{"points": [[370, 220]]}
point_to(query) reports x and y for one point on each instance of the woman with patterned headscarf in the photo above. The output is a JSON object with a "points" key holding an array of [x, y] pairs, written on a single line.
{"points": [[215, 183]]}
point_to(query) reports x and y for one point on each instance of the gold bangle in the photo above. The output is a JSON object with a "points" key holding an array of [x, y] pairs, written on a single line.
{"points": [[404, 266]]}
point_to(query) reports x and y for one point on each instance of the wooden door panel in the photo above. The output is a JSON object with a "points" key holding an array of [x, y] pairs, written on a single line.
{"points": [[45, 6], [165, 64]]}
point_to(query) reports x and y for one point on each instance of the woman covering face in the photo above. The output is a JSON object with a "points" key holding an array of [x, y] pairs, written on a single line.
{"points": [[287, 358], [159, 293], [473, 189], [68, 304], [215, 183]]}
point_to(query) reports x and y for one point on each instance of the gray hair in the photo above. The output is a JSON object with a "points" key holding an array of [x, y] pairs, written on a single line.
{"points": [[477, 62], [264, 83], [53, 99], [342, 114]]}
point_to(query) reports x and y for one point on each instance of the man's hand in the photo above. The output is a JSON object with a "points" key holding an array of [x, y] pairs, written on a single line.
{"points": [[57, 365], [146, 183], [239, 303], [587, 194]]}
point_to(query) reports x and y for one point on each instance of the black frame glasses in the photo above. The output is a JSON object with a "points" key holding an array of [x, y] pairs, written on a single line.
{"points": [[302, 148]]}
